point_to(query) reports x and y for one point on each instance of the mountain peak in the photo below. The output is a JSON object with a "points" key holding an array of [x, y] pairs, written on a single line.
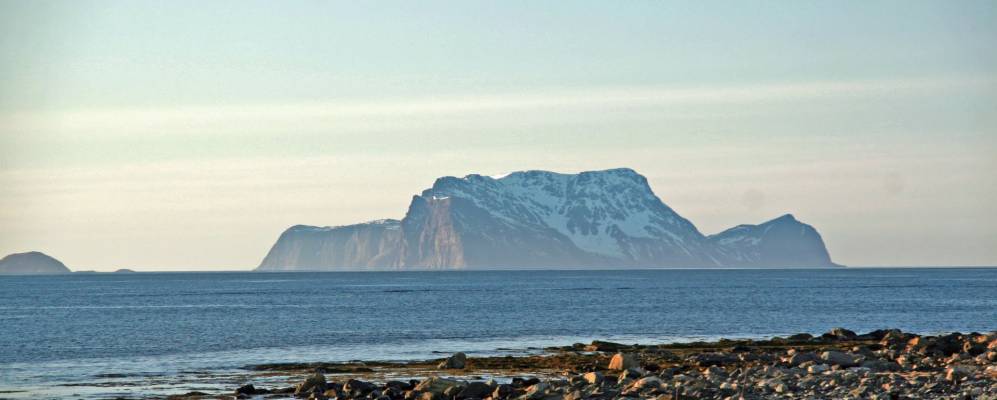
{"points": [[784, 219], [536, 218]]}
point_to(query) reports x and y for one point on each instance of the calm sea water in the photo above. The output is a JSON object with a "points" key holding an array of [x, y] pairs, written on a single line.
{"points": [[99, 334]]}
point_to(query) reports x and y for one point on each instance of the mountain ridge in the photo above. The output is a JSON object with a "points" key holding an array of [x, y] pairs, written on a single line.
{"points": [[535, 219]]}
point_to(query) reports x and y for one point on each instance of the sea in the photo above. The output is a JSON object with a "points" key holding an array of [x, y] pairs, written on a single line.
{"points": [[109, 335]]}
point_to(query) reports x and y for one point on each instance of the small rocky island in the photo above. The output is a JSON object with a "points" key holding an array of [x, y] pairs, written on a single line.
{"points": [[31, 263], [840, 364]]}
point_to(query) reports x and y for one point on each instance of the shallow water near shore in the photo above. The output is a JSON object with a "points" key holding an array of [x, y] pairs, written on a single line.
{"points": [[99, 335]]}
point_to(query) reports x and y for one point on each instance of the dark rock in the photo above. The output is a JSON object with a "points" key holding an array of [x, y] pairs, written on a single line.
{"points": [[522, 383], [357, 388], [800, 358], [247, 389], [403, 386], [456, 361], [437, 385], [598, 345], [311, 384], [800, 337], [474, 390], [503, 391], [841, 334]]}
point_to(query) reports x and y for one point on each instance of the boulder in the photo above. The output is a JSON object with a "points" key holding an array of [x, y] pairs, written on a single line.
{"points": [[593, 378], [623, 361], [474, 390], [957, 373], [357, 388], [838, 358], [800, 337], [537, 391], [437, 385], [503, 391], [247, 389], [456, 361], [311, 384], [800, 358], [818, 369], [840, 334], [646, 383]]}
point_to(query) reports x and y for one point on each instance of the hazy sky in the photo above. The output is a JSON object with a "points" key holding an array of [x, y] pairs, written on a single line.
{"points": [[177, 135]]}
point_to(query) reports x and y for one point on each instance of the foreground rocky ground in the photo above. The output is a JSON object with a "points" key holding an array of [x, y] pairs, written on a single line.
{"points": [[840, 364]]}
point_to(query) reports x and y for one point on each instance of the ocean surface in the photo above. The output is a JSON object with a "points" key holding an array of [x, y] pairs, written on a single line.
{"points": [[107, 335]]}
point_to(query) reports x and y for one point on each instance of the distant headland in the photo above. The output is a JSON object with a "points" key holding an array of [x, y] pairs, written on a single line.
{"points": [[31, 263]]}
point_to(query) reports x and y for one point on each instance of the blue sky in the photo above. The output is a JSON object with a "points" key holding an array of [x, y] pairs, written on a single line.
{"points": [[129, 130]]}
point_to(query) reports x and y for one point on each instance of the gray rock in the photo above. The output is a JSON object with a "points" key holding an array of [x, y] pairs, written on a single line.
{"points": [[838, 358], [437, 385], [800, 358]]}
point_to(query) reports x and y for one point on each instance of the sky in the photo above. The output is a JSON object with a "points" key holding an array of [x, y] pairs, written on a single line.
{"points": [[176, 135]]}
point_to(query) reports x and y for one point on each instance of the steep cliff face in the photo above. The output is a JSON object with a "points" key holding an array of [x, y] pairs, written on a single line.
{"points": [[781, 242], [536, 219], [599, 218], [31, 263], [371, 245]]}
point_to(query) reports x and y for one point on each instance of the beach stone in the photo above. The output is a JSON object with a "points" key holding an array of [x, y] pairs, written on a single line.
{"points": [[838, 358], [357, 388], [957, 373], [316, 381], [437, 385], [800, 358], [456, 361], [502, 391], [536, 392], [593, 378], [623, 361], [646, 382], [818, 368], [475, 390]]}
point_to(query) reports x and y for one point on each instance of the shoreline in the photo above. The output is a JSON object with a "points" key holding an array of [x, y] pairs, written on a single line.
{"points": [[883, 364]]}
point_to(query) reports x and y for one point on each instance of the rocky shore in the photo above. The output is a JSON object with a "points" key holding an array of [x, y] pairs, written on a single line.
{"points": [[884, 364]]}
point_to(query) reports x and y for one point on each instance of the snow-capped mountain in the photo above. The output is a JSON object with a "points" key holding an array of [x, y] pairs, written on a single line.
{"points": [[607, 218]]}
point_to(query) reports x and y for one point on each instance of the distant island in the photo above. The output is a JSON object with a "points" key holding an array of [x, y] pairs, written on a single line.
{"points": [[124, 271], [542, 219], [31, 263]]}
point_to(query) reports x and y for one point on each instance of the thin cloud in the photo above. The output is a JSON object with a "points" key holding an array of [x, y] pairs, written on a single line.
{"points": [[221, 119]]}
